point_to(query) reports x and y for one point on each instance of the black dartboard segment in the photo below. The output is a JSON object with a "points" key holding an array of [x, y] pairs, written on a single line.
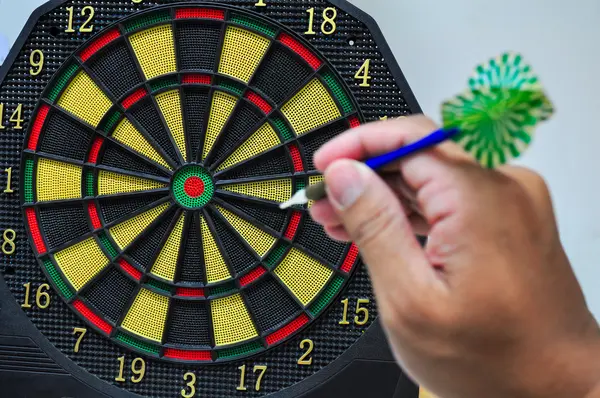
{"points": [[147, 162]]}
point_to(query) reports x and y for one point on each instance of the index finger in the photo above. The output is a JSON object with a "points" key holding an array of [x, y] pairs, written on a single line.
{"points": [[375, 139]]}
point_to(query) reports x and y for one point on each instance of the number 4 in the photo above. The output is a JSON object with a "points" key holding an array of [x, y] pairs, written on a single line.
{"points": [[363, 74]]}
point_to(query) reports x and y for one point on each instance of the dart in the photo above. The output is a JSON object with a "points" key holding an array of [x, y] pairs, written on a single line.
{"points": [[318, 191], [494, 119]]}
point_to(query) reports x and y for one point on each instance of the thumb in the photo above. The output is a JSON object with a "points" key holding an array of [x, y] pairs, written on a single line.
{"points": [[374, 219]]}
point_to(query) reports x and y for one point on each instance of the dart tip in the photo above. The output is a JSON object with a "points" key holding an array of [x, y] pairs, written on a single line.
{"points": [[299, 198]]}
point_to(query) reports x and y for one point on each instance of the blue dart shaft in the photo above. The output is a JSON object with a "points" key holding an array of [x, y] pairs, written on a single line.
{"points": [[433, 139]]}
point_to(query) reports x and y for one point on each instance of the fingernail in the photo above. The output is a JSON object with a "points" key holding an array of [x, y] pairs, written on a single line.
{"points": [[345, 181]]}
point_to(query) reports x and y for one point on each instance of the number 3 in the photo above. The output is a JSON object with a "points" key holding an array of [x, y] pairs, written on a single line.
{"points": [[191, 384]]}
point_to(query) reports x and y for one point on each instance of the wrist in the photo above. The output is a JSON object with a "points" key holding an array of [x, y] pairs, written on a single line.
{"points": [[561, 368]]}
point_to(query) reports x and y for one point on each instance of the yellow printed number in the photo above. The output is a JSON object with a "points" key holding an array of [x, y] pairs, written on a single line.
{"points": [[363, 74], [8, 180], [362, 313], [191, 385], [82, 332], [8, 245], [42, 298], [138, 368], [16, 117], [328, 27], [88, 11], [257, 368], [36, 59], [306, 358], [260, 3]]}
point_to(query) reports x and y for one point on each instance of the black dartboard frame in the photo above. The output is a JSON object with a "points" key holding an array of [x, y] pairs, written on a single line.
{"points": [[73, 178]]}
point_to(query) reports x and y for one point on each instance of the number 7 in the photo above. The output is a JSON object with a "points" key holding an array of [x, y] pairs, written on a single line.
{"points": [[262, 369], [83, 331]]}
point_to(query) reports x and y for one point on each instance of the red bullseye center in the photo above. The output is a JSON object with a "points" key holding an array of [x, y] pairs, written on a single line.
{"points": [[194, 186]]}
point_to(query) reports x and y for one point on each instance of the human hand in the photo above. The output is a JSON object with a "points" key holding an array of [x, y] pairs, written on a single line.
{"points": [[490, 307]]}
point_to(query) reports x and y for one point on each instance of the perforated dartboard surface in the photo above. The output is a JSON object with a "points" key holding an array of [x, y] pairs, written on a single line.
{"points": [[147, 176]]}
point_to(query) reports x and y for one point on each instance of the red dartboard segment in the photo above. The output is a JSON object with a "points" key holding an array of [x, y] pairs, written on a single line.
{"points": [[93, 212], [197, 79], [38, 241], [37, 127], [252, 276], [99, 43], [134, 98], [189, 292], [92, 317], [292, 227], [187, 355], [354, 122], [287, 330], [96, 145], [260, 102], [350, 259], [296, 158], [301, 50], [201, 13], [130, 269]]}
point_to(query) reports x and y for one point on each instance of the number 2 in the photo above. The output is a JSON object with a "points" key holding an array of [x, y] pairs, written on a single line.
{"points": [[306, 359]]}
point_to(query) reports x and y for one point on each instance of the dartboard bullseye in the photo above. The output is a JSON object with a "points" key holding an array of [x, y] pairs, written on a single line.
{"points": [[158, 147]]}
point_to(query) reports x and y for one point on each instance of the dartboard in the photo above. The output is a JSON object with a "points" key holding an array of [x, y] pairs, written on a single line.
{"points": [[147, 147]]}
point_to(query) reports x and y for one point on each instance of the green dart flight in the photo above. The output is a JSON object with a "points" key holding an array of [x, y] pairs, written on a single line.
{"points": [[498, 113]]}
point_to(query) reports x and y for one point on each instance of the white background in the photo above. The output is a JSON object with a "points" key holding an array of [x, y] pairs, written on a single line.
{"points": [[438, 42]]}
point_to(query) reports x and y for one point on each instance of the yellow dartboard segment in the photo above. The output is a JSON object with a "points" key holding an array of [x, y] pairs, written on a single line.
{"points": [[303, 275], [170, 106], [147, 315], [260, 241], [216, 268], [222, 106], [84, 99], [110, 183], [57, 180], [128, 135], [81, 262], [166, 263], [242, 53], [126, 232], [155, 50], [261, 141], [312, 107], [274, 190], [231, 320], [313, 180]]}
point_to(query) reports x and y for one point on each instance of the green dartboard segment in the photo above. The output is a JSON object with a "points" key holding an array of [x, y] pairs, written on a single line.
{"points": [[498, 113]]}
